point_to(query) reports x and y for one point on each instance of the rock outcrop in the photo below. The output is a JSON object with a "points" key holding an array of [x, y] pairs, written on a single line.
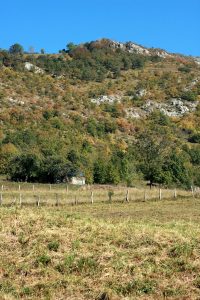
{"points": [[174, 107], [106, 99], [197, 60], [130, 47], [134, 48], [30, 67]]}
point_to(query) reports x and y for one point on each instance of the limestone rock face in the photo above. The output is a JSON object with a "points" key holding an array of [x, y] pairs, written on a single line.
{"points": [[175, 107], [197, 60], [135, 113], [130, 47], [192, 84], [106, 99], [30, 67], [162, 53]]}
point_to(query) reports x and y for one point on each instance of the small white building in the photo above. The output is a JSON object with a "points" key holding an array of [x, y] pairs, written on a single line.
{"points": [[77, 180]]}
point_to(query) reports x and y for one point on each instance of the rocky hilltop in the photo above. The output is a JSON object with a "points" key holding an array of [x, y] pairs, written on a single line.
{"points": [[134, 48]]}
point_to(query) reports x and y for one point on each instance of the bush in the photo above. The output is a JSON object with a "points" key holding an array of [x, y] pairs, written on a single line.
{"points": [[189, 96], [195, 138]]}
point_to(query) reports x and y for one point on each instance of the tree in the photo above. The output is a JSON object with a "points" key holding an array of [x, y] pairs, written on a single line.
{"points": [[24, 167], [177, 166], [112, 174], [100, 171], [7, 152], [54, 169], [151, 151], [71, 46], [16, 49], [42, 51]]}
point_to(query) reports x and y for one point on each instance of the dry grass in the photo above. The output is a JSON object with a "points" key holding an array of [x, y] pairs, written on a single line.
{"points": [[12, 193], [136, 250]]}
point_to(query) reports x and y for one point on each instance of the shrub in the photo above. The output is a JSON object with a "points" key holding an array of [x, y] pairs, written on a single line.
{"points": [[53, 245], [195, 138], [189, 96], [44, 259]]}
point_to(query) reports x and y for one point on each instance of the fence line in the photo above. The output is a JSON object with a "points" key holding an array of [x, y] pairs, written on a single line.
{"points": [[67, 196]]}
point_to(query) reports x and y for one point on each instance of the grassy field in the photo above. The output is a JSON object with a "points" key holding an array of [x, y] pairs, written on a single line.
{"points": [[135, 250], [61, 194]]}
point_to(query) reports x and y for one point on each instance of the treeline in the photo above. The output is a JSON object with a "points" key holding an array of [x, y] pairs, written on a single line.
{"points": [[93, 61], [153, 155]]}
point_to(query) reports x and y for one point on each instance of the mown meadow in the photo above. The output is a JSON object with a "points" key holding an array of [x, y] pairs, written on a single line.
{"points": [[108, 250]]}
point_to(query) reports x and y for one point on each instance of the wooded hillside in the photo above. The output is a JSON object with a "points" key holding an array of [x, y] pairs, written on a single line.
{"points": [[115, 114]]}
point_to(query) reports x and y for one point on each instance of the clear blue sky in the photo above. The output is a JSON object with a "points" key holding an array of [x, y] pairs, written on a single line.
{"points": [[170, 24]]}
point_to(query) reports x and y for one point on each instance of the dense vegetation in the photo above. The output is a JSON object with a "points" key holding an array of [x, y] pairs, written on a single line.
{"points": [[50, 128]]}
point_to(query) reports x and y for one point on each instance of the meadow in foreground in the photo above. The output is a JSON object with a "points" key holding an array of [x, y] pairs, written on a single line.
{"points": [[136, 250]]}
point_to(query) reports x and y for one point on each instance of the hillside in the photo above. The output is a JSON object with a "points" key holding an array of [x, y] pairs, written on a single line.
{"points": [[116, 112]]}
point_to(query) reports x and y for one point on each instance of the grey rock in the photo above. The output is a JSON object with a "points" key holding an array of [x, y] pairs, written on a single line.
{"points": [[30, 67], [106, 99], [15, 101], [141, 92]]}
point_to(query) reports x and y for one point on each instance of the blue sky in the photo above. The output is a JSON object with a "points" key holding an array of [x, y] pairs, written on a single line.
{"points": [[171, 24]]}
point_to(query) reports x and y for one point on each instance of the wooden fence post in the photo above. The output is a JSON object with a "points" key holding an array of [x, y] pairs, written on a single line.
{"points": [[37, 200], [56, 199], [14, 201], [19, 187], [175, 194], [1, 198], [75, 200], [92, 197], [2, 187], [110, 194], [145, 196], [192, 189], [160, 194], [67, 189], [127, 196], [50, 187], [20, 199]]}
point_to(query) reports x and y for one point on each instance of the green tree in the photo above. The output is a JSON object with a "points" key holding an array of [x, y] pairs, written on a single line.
{"points": [[177, 166], [7, 152], [100, 171], [112, 174], [151, 151], [54, 169], [24, 167], [71, 46], [16, 49]]}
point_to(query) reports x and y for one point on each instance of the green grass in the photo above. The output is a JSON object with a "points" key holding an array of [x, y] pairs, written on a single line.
{"points": [[136, 250]]}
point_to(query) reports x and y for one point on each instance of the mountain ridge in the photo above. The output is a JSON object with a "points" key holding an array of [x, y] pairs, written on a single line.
{"points": [[131, 47]]}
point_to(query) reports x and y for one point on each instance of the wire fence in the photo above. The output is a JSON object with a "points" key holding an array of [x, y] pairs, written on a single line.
{"points": [[42, 194]]}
